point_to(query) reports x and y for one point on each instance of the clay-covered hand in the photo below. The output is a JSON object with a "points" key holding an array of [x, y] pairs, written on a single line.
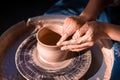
{"points": [[85, 37], [71, 24]]}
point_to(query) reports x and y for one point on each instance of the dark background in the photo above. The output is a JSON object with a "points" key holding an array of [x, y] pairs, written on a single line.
{"points": [[12, 12]]}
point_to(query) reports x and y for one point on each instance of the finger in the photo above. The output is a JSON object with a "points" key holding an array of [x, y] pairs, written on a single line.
{"points": [[76, 35], [64, 37], [78, 50], [83, 39], [76, 39], [79, 33], [67, 30], [70, 26], [87, 37], [67, 24], [69, 42], [79, 46]]}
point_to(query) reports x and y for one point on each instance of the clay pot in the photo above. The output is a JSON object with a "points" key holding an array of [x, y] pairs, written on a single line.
{"points": [[48, 51]]}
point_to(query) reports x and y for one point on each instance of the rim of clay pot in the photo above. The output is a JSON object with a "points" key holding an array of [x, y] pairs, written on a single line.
{"points": [[53, 46]]}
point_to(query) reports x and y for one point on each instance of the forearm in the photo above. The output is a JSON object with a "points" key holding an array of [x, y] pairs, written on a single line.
{"points": [[113, 31], [93, 9]]}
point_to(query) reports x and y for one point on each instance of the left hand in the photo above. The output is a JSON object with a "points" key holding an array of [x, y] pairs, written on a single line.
{"points": [[84, 37], [71, 24]]}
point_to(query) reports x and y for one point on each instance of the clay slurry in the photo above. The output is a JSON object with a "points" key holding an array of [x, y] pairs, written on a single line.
{"points": [[49, 37]]}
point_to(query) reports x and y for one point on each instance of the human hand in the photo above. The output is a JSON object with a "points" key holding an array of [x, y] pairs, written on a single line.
{"points": [[71, 24], [85, 37]]}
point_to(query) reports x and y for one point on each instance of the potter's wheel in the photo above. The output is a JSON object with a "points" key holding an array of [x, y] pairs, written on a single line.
{"points": [[31, 67], [102, 58]]}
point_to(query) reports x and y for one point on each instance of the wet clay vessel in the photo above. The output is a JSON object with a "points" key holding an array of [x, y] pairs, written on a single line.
{"points": [[48, 51]]}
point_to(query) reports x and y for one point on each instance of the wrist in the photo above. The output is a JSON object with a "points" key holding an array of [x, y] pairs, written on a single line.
{"points": [[104, 29], [87, 17]]}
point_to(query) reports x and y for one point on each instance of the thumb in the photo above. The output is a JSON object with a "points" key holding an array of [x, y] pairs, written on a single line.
{"points": [[63, 38]]}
